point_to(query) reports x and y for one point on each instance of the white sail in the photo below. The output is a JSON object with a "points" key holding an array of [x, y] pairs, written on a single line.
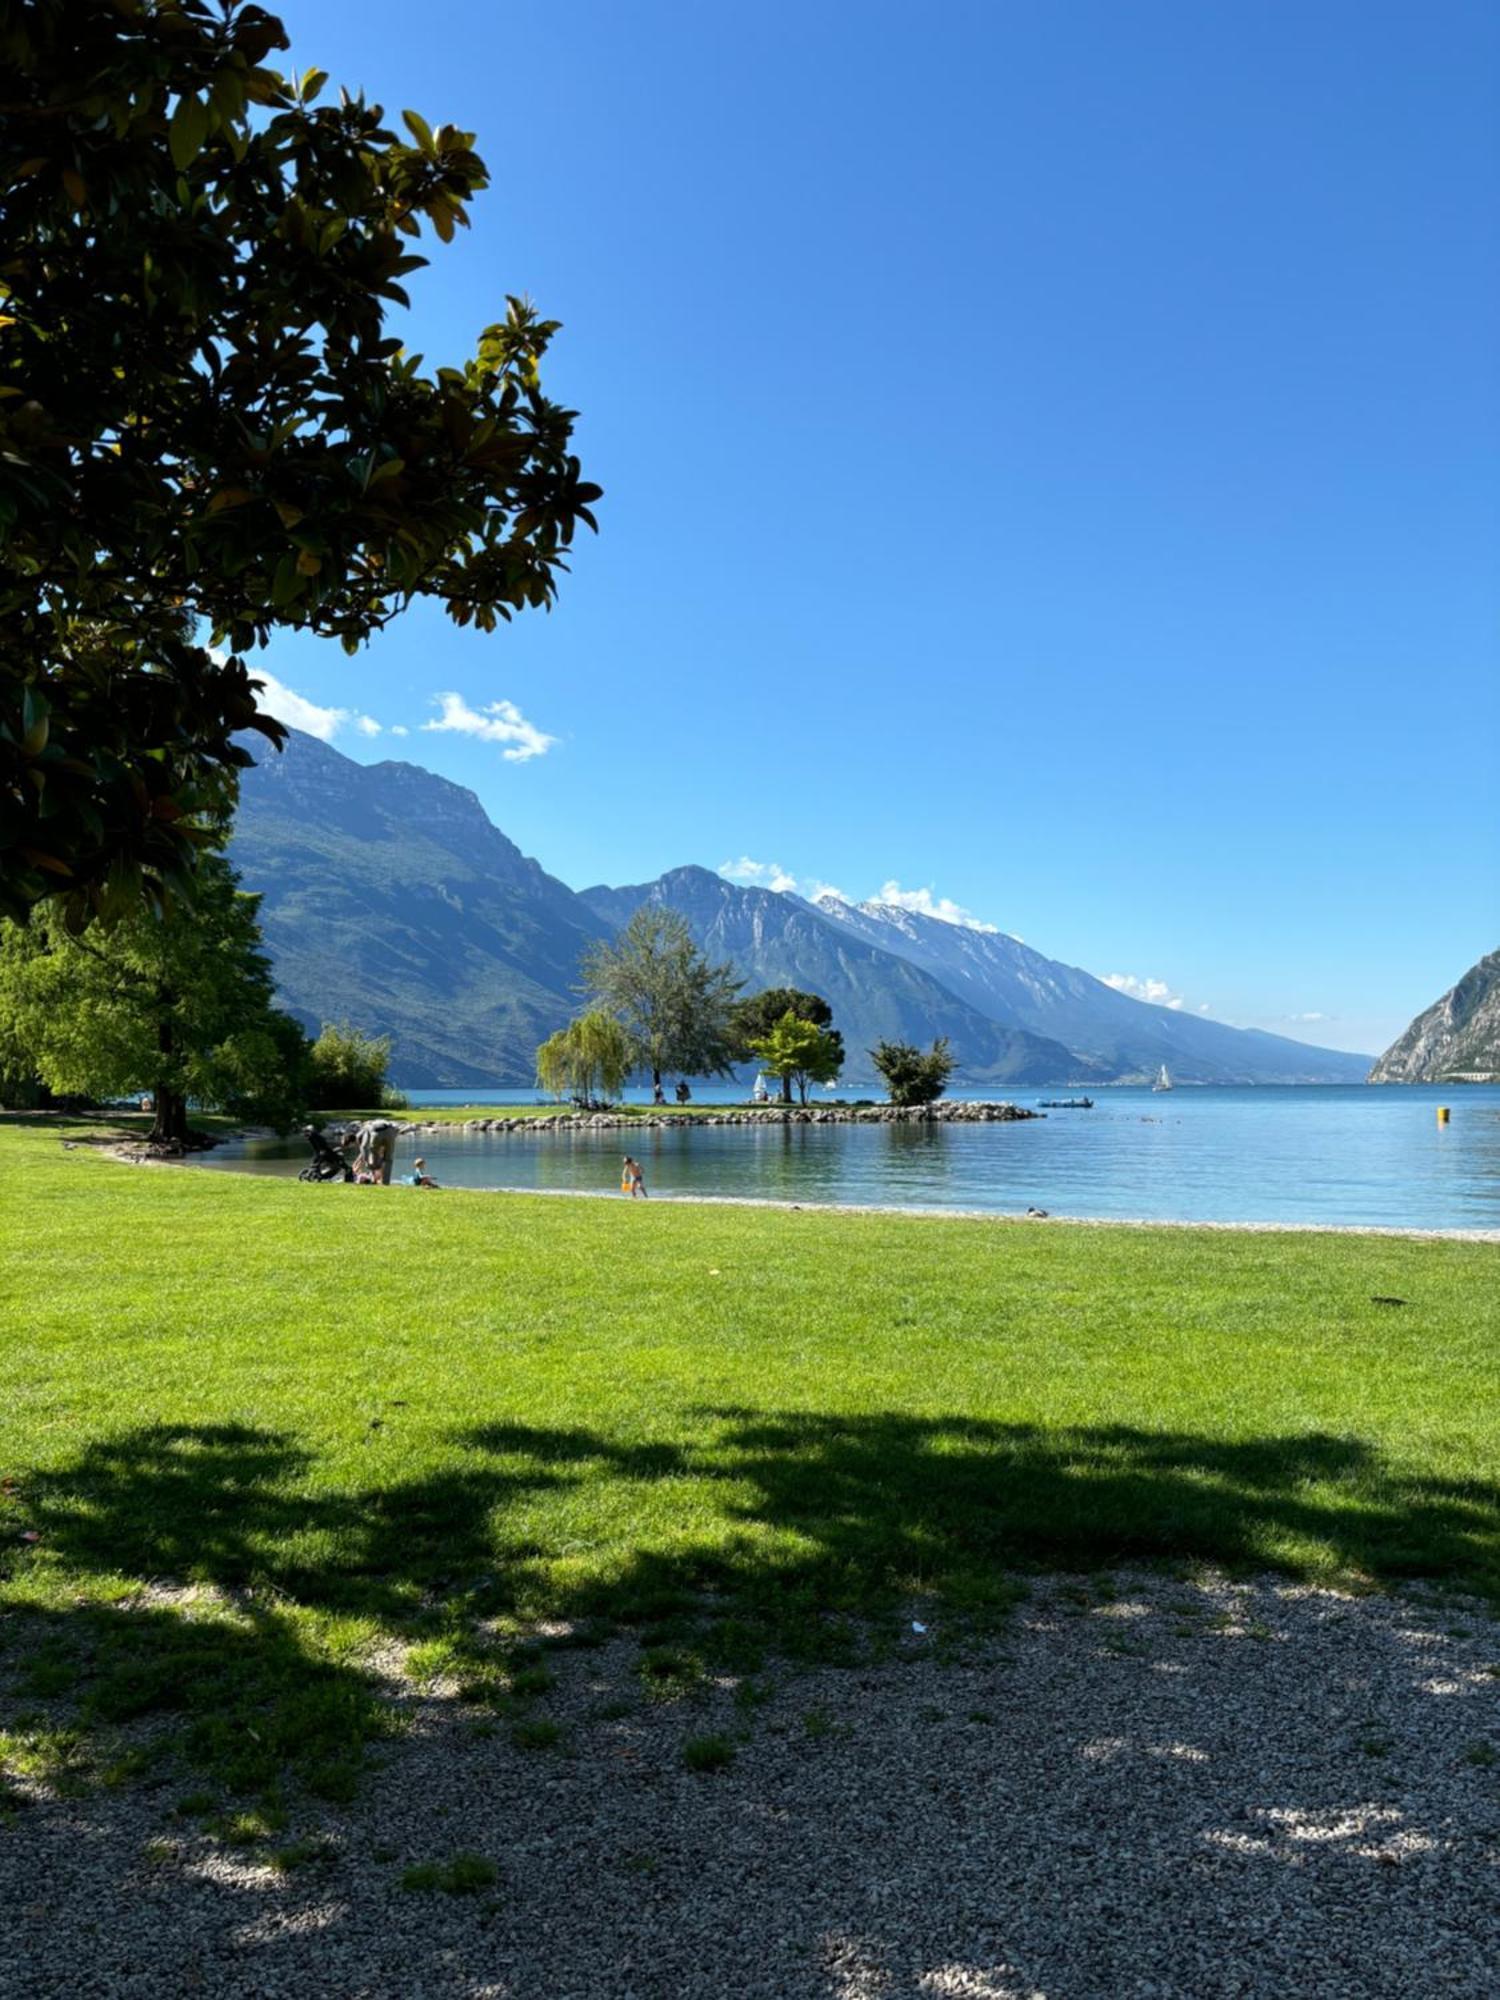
{"points": [[1163, 1079]]}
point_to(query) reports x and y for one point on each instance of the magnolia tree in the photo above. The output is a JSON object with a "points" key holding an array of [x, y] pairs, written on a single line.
{"points": [[208, 435]]}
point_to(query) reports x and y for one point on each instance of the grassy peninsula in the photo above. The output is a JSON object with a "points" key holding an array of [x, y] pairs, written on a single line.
{"points": [[261, 1442]]}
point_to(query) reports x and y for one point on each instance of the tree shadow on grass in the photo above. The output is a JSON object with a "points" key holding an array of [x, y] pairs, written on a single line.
{"points": [[947, 1504], [820, 1521], [825, 1514], [195, 1571]]}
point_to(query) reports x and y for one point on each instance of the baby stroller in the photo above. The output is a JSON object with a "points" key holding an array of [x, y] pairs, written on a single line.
{"points": [[327, 1163]]}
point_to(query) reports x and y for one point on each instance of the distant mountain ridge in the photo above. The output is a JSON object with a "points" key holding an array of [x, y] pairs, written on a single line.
{"points": [[1456, 1039], [1110, 1033], [777, 940], [392, 901]]}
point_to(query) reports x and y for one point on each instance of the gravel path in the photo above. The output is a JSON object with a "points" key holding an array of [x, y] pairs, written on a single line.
{"points": [[1145, 1787]]}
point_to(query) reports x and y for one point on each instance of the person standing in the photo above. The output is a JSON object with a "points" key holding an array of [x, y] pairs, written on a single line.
{"points": [[377, 1151], [632, 1179]]}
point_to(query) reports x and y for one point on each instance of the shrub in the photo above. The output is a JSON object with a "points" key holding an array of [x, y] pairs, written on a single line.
{"points": [[912, 1075], [348, 1068]]}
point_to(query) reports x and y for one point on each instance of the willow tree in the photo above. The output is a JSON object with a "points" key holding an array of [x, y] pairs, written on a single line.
{"points": [[208, 435], [592, 1052]]}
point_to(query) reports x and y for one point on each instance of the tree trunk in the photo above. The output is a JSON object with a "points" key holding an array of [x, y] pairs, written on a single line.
{"points": [[170, 1128], [786, 1088]]}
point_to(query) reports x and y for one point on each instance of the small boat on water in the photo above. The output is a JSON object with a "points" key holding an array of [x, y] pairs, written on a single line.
{"points": [[1163, 1079], [1065, 1103]]}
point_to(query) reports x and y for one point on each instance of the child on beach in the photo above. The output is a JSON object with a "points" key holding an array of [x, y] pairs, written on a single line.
{"points": [[632, 1180]]}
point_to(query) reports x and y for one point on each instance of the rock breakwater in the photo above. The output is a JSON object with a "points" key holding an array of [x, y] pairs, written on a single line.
{"points": [[941, 1113]]}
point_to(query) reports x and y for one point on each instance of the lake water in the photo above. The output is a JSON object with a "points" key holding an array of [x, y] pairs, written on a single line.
{"points": [[1337, 1155]]}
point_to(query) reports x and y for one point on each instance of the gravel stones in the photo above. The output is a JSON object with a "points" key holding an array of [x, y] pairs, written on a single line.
{"points": [[1145, 1787]]}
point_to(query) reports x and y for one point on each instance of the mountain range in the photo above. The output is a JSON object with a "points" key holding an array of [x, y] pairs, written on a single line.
{"points": [[391, 900], [774, 939], [1456, 1039]]}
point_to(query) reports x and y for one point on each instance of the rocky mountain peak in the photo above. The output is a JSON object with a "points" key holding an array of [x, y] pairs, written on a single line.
{"points": [[1456, 1039]]}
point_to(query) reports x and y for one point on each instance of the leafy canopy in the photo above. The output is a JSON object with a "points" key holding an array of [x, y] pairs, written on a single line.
{"points": [[206, 433], [178, 1005], [800, 1052], [675, 1006], [757, 1014], [912, 1075]]}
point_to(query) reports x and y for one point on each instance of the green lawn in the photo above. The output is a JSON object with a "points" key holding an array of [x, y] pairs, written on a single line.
{"points": [[371, 1420]]}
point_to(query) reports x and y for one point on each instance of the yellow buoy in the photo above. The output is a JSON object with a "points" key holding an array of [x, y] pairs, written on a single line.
{"points": [[1442, 1114]]}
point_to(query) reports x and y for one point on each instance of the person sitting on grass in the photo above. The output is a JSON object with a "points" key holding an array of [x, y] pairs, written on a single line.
{"points": [[419, 1176]]}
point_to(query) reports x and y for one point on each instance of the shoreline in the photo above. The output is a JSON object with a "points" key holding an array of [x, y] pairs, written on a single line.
{"points": [[921, 1210], [1392, 1229]]}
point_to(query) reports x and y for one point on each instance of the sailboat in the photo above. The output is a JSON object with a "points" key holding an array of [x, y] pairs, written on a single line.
{"points": [[1163, 1079]]}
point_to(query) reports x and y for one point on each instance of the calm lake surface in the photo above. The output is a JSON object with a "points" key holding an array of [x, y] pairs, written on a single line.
{"points": [[1337, 1155]]}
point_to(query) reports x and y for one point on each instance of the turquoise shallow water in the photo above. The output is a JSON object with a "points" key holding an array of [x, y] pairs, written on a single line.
{"points": [[1346, 1156]]}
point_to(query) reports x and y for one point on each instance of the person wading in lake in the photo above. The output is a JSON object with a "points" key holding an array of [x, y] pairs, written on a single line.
{"points": [[632, 1180]]}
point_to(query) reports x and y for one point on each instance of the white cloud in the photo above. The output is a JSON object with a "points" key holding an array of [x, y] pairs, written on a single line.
{"points": [[1156, 991], [399, 729], [1312, 1015], [498, 722], [923, 903], [762, 874], [771, 875], [277, 699]]}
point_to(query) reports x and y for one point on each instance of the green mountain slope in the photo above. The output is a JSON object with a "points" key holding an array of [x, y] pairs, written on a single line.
{"points": [[391, 901]]}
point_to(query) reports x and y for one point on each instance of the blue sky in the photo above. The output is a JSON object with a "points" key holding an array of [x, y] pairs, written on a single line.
{"points": [[1049, 457]]}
